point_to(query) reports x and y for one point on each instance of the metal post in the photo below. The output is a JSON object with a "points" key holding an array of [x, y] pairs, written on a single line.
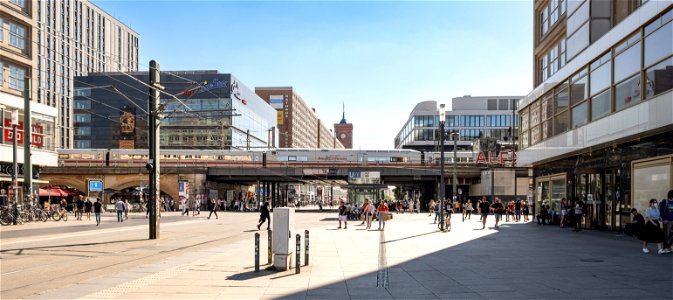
{"points": [[455, 176], [153, 164], [297, 263], [27, 139], [441, 168], [306, 247], [256, 252], [15, 171], [270, 240]]}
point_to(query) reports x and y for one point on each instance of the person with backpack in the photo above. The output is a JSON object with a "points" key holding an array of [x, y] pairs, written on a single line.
{"points": [[666, 214]]}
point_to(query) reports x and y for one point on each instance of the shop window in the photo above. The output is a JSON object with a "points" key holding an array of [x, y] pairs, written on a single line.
{"points": [[651, 179], [659, 78], [579, 115], [601, 105], [627, 93]]}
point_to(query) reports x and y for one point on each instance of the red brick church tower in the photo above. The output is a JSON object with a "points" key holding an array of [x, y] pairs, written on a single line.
{"points": [[344, 131]]}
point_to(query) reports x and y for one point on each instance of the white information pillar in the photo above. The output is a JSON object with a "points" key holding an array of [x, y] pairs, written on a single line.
{"points": [[282, 244]]}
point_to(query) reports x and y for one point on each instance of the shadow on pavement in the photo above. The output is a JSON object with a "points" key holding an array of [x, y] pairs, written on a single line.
{"points": [[519, 261], [70, 245]]}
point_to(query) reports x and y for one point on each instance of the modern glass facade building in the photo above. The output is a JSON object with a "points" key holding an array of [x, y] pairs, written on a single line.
{"points": [[202, 110], [472, 117], [598, 126]]}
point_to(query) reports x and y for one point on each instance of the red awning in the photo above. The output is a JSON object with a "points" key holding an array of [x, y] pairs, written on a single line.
{"points": [[52, 192]]}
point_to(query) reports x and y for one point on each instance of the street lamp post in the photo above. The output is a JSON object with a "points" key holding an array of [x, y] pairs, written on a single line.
{"points": [[455, 135], [15, 164], [442, 119]]}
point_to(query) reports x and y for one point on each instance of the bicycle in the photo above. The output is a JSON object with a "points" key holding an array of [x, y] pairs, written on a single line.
{"points": [[447, 221]]}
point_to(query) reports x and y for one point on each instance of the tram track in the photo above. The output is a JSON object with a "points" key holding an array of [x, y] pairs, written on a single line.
{"points": [[105, 263]]}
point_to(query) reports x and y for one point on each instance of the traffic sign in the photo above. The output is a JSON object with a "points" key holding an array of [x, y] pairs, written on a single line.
{"points": [[95, 186]]}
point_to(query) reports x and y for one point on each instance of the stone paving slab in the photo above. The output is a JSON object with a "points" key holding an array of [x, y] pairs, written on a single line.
{"points": [[518, 261]]}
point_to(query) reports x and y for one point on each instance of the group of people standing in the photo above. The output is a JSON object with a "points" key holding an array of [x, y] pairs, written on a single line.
{"points": [[365, 213], [656, 226]]}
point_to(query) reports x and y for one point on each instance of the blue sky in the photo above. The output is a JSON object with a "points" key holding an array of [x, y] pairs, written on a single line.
{"points": [[379, 58]]}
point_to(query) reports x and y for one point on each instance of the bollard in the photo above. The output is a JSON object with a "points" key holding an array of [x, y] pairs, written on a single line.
{"points": [[298, 264], [256, 252], [268, 253], [306, 247]]}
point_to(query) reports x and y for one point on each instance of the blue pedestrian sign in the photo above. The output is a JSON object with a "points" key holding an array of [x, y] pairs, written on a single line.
{"points": [[95, 186]]}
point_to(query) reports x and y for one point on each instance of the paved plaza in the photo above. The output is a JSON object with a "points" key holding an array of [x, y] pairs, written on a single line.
{"points": [[197, 258]]}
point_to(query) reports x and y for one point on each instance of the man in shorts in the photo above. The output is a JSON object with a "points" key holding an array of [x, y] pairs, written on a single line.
{"points": [[343, 215], [497, 210]]}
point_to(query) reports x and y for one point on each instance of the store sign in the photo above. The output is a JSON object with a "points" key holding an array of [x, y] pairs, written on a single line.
{"points": [[37, 137], [491, 158]]}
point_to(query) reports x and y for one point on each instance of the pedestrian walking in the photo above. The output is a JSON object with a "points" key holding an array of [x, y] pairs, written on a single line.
{"points": [[213, 208], [517, 210], [431, 207], [120, 210], [484, 208], [666, 213], [87, 208], [579, 206], [264, 216], [468, 209], [653, 226], [97, 210], [497, 210], [525, 209], [79, 204], [127, 208], [564, 212], [185, 207], [343, 214], [368, 212], [382, 214]]}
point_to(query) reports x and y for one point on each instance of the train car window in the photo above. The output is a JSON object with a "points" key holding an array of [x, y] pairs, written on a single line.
{"points": [[63, 156], [397, 159], [292, 158]]}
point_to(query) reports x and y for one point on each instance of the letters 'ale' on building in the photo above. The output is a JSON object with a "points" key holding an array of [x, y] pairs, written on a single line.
{"points": [[597, 127]]}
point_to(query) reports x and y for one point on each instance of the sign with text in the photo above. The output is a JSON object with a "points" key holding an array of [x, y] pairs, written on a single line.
{"points": [[37, 136], [364, 177], [95, 185]]}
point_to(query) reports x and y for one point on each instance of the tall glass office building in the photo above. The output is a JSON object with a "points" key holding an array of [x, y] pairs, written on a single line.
{"points": [[201, 110]]}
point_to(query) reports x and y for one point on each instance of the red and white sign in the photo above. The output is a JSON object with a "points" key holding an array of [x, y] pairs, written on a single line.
{"points": [[500, 158], [37, 136]]}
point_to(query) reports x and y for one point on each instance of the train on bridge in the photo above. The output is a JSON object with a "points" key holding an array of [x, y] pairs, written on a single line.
{"points": [[258, 158]]}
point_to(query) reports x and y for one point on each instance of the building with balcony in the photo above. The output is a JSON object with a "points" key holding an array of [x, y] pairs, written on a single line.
{"points": [[597, 127], [298, 124]]}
